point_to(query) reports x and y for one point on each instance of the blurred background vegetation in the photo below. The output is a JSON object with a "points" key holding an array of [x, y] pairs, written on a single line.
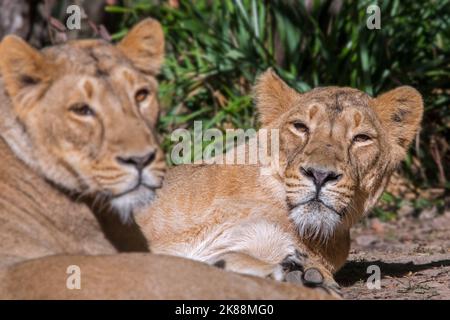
{"points": [[215, 49]]}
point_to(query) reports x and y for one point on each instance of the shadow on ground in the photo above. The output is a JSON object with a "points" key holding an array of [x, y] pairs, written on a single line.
{"points": [[355, 271]]}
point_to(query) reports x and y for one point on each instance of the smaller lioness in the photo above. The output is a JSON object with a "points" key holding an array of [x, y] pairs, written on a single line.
{"points": [[338, 148]]}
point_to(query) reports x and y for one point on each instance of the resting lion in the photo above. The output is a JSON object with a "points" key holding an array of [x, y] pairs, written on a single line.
{"points": [[78, 119], [338, 148]]}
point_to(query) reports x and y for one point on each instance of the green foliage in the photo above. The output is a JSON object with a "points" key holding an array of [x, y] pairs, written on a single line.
{"points": [[217, 48]]}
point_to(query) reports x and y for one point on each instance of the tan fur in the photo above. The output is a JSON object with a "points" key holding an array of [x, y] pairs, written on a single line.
{"points": [[139, 276], [249, 222], [80, 153], [51, 156]]}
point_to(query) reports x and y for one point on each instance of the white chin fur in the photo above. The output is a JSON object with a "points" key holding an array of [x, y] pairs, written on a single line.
{"points": [[124, 205], [314, 221]]}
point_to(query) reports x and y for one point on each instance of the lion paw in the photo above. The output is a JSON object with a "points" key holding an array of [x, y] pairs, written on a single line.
{"points": [[294, 271]]}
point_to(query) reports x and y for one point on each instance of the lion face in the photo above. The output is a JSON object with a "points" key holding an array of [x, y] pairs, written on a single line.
{"points": [[338, 147], [87, 110]]}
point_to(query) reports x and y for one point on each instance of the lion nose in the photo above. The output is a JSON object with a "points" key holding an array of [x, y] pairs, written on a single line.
{"points": [[320, 177], [140, 162]]}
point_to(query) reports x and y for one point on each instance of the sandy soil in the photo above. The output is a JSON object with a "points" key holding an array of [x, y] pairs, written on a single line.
{"points": [[413, 254]]}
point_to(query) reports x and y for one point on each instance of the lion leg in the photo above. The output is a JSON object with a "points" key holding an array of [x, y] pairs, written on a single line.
{"points": [[296, 267]]}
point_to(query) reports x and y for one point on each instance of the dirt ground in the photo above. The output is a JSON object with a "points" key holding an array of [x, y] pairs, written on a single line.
{"points": [[413, 254]]}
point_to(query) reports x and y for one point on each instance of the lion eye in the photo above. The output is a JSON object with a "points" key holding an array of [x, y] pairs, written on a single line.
{"points": [[300, 127], [361, 138], [82, 109], [141, 95]]}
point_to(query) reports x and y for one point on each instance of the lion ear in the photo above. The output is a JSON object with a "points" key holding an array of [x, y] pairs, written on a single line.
{"points": [[144, 46], [21, 65], [272, 97], [400, 111]]}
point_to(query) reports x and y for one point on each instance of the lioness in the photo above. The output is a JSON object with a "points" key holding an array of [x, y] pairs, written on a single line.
{"points": [[79, 119], [338, 148]]}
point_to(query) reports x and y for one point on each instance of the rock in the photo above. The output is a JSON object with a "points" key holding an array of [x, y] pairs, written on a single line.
{"points": [[428, 214], [377, 226], [366, 240], [405, 211]]}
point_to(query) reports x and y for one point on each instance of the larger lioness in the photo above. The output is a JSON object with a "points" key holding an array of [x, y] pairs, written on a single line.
{"points": [[337, 150], [79, 119]]}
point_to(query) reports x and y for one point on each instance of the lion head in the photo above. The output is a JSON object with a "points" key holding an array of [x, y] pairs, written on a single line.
{"points": [[338, 148], [83, 114]]}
